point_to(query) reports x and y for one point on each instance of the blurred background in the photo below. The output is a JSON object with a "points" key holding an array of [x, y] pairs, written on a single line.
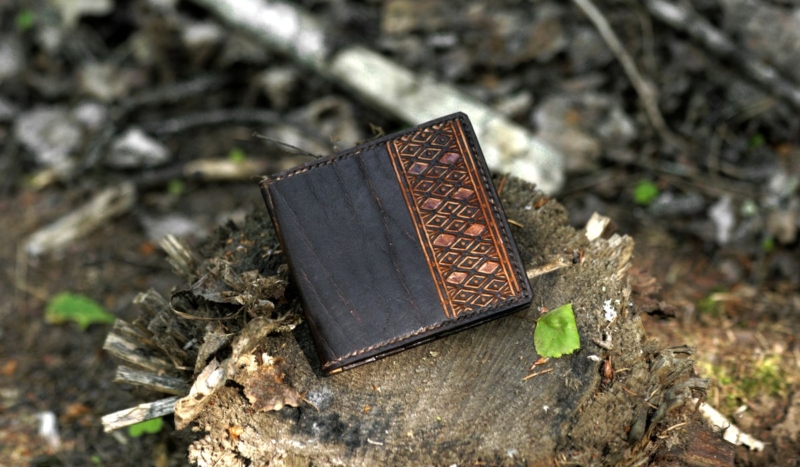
{"points": [[124, 120]]}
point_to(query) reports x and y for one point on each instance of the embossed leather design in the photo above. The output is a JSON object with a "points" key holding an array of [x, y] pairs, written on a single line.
{"points": [[396, 242]]}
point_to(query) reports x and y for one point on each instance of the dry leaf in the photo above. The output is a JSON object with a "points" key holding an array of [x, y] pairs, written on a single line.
{"points": [[265, 388]]}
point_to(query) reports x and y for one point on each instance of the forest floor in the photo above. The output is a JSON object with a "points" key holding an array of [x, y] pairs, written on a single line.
{"points": [[715, 218]]}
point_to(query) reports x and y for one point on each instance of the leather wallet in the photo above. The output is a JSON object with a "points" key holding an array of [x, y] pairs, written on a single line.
{"points": [[396, 242]]}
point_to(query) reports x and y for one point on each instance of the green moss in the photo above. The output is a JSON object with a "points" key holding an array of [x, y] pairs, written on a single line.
{"points": [[709, 306], [765, 377]]}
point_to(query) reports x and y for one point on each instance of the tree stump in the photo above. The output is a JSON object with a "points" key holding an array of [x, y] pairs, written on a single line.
{"points": [[468, 399]]}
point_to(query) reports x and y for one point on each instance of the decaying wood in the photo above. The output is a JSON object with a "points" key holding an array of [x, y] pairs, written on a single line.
{"points": [[165, 384], [135, 351], [468, 398], [140, 413], [107, 204], [507, 146], [730, 432], [700, 448]]}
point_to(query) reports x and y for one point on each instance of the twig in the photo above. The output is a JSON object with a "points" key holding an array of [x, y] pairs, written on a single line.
{"points": [[558, 263], [139, 413], [160, 383], [625, 388], [105, 205], [211, 118], [684, 19], [532, 375], [134, 351], [172, 92], [731, 433], [644, 88], [300, 151], [676, 426]]}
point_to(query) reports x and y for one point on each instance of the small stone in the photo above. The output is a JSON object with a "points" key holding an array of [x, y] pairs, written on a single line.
{"points": [[202, 34], [135, 149], [72, 10], [103, 81], [50, 134], [7, 110], [278, 84], [724, 218], [91, 114], [156, 228], [12, 57]]}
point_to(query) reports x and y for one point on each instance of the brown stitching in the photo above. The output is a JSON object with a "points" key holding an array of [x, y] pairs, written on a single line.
{"points": [[313, 165]]}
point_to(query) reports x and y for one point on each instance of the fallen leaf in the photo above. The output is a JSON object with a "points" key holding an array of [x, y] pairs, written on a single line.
{"points": [[151, 426], [9, 368], [234, 431], [75, 411], [556, 333], [265, 387], [75, 307]]}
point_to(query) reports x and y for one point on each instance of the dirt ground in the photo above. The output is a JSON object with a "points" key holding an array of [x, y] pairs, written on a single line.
{"points": [[718, 234]]}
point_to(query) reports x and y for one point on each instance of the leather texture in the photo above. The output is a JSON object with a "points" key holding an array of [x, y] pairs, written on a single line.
{"points": [[396, 242]]}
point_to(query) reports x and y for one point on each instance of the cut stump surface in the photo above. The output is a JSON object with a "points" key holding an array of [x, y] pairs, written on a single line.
{"points": [[465, 398]]}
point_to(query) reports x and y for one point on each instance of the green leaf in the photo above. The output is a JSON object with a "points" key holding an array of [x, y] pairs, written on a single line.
{"points": [[175, 186], [556, 333], [25, 20], [151, 426], [645, 193], [756, 141], [75, 307], [237, 155]]}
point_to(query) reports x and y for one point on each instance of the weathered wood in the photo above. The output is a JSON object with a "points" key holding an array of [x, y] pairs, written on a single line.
{"points": [[465, 398], [108, 203], [139, 413], [165, 384], [134, 351], [700, 448], [473, 397]]}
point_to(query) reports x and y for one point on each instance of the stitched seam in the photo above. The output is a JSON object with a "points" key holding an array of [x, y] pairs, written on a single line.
{"points": [[525, 291], [353, 152]]}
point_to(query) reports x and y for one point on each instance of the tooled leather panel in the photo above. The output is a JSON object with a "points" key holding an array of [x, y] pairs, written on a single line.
{"points": [[455, 219]]}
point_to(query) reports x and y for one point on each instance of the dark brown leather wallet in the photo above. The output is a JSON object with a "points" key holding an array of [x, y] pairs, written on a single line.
{"points": [[396, 242]]}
